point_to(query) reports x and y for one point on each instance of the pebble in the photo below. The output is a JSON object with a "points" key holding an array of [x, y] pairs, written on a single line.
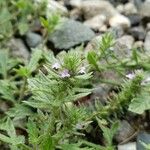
{"points": [[97, 7], [128, 146], [33, 39], [138, 33], [129, 8], [119, 20], [147, 42], [96, 22], [18, 49], [124, 132], [135, 19]]}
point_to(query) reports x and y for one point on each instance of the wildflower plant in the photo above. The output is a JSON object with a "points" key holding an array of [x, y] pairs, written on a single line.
{"points": [[48, 102]]}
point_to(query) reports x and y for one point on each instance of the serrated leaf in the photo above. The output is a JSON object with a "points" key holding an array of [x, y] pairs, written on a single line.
{"points": [[32, 132], [19, 111], [36, 56], [140, 104]]}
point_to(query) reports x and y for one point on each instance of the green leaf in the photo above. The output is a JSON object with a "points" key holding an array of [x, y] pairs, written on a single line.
{"points": [[3, 62], [140, 104], [5, 23], [32, 131], [7, 89], [19, 111], [108, 133], [47, 143], [92, 58], [36, 56]]}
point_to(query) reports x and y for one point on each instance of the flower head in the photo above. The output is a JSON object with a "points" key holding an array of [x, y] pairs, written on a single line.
{"points": [[56, 66], [130, 75], [65, 74]]}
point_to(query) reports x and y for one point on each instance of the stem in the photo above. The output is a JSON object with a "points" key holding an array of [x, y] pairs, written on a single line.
{"points": [[22, 90]]}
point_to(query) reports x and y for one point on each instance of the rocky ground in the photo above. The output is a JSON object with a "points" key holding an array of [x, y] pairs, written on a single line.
{"points": [[84, 22]]}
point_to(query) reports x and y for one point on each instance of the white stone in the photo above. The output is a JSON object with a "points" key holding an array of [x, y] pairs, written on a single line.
{"points": [[130, 8], [147, 42], [120, 8], [119, 20], [91, 8], [96, 22], [128, 146], [54, 6]]}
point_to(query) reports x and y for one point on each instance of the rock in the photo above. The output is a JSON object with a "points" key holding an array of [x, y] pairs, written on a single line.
{"points": [[70, 33], [120, 8], [124, 132], [54, 6], [94, 43], [130, 8], [33, 39], [76, 3], [97, 7], [101, 93], [96, 22], [124, 45], [18, 49], [148, 27], [128, 146], [126, 40], [138, 44], [147, 42], [119, 20], [145, 9], [138, 33], [117, 31], [75, 14], [142, 137], [134, 19]]}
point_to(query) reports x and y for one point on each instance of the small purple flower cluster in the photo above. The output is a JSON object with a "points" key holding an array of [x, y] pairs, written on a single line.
{"points": [[65, 72]]}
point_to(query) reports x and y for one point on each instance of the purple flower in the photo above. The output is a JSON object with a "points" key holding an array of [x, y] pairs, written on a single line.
{"points": [[82, 70], [65, 74], [130, 75], [56, 66]]}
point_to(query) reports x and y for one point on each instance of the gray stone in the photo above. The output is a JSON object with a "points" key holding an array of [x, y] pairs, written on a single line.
{"points": [[147, 42], [117, 31], [18, 49], [135, 19], [142, 137], [100, 93], [70, 33], [124, 45], [33, 39], [124, 132], [128, 146], [138, 33]]}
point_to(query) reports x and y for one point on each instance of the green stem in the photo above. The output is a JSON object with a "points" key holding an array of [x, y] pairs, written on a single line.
{"points": [[22, 90]]}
